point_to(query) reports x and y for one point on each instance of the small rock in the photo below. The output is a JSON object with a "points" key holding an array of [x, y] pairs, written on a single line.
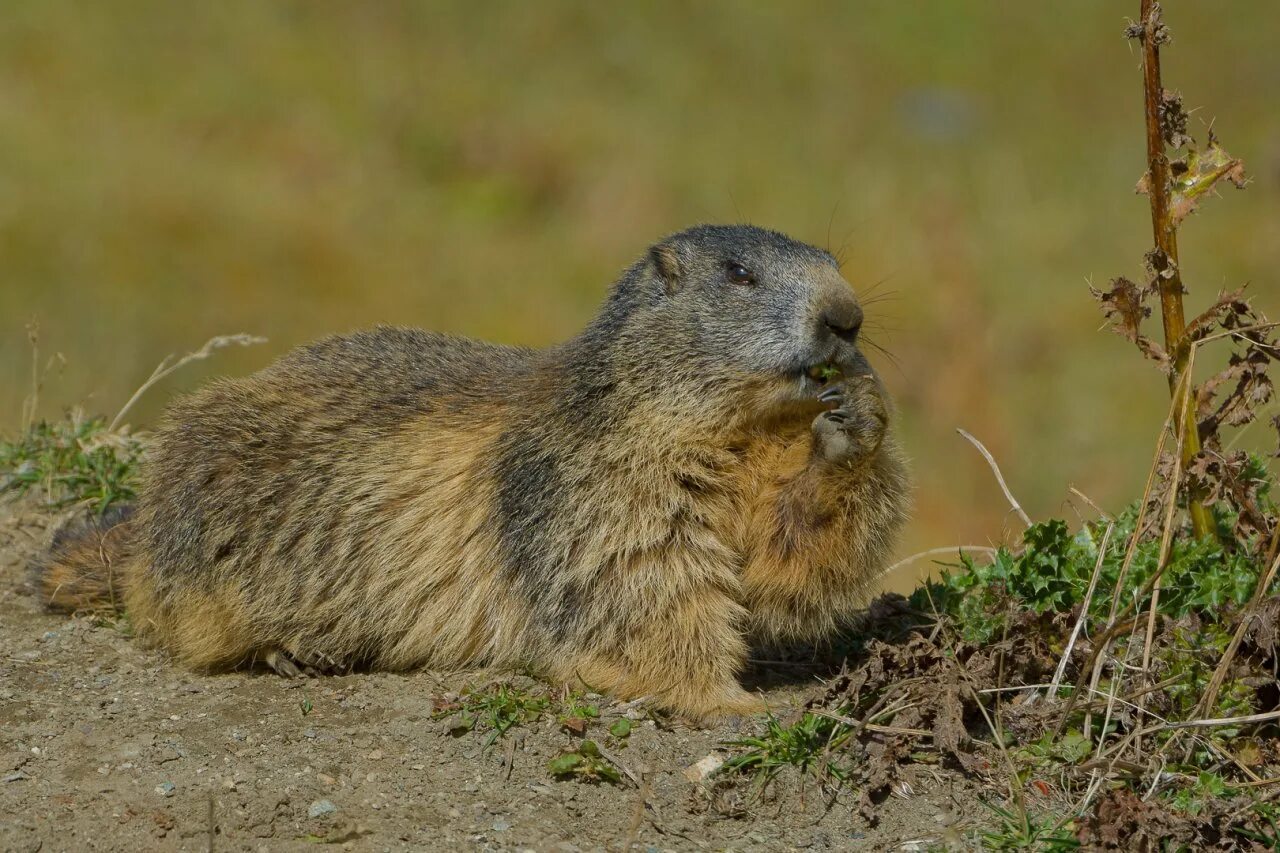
{"points": [[704, 767], [320, 808], [309, 734], [166, 789], [48, 636], [326, 778], [501, 824], [376, 755], [16, 776]]}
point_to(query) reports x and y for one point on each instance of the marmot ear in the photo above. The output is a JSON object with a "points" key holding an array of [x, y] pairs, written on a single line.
{"points": [[667, 263]]}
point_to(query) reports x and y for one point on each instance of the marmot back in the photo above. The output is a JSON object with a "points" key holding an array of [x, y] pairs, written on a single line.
{"points": [[706, 464]]}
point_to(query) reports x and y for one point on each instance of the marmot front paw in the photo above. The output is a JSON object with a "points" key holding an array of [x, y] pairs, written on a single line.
{"points": [[852, 431]]}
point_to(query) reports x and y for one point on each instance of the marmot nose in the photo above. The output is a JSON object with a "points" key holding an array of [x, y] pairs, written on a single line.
{"points": [[843, 319]]}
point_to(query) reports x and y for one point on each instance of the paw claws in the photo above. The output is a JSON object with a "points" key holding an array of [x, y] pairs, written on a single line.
{"points": [[281, 665]]}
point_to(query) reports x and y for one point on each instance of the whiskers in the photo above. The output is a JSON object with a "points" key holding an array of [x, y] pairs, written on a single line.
{"points": [[875, 295], [893, 359]]}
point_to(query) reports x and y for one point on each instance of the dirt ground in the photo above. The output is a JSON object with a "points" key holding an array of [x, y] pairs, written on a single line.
{"points": [[107, 745]]}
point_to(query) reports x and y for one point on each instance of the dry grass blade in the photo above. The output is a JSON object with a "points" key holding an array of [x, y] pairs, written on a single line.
{"points": [[1102, 513], [936, 552], [1212, 723], [1210, 694], [995, 469], [1166, 534], [637, 818], [1091, 669], [168, 366], [1084, 612], [858, 725]]}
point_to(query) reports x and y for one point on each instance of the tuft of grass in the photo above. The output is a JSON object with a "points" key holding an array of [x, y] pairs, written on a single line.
{"points": [[117, 621], [806, 745], [1022, 831], [496, 710], [71, 461]]}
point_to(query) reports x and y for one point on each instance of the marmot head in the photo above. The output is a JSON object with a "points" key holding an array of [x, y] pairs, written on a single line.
{"points": [[739, 308]]}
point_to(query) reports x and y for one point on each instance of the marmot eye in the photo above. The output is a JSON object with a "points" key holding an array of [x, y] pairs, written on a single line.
{"points": [[738, 274]]}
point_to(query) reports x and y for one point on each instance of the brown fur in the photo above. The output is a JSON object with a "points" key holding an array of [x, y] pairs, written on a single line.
{"points": [[627, 511]]}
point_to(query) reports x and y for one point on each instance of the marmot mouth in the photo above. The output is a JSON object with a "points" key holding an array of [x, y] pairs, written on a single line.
{"points": [[823, 373]]}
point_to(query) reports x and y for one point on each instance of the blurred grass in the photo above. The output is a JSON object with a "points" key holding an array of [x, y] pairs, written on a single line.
{"points": [[173, 171]]}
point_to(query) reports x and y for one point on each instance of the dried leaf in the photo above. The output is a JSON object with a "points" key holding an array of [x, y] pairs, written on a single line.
{"points": [[1124, 305], [1246, 370], [1230, 307], [1173, 120], [1227, 478]]}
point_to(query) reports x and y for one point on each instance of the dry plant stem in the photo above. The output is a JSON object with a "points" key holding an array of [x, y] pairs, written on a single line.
{"points": [[1210, 694], [168, 366], [1102, 513], [1182, 398], [1165, 259], [1100, 646], [1112, 698], [1093, 666], [1015, 785], [32, 403], [637, 818], [1084, 613], [936, 552], [871, 727], [1197, 724], [613, 759], [995, 469]]}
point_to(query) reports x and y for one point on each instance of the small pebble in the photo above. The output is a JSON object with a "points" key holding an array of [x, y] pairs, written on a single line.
{"points": [[500, 824], [166, 789], [320, 808]]}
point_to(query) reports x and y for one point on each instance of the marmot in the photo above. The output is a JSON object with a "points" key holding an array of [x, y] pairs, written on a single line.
{"points": [[707, 464]]}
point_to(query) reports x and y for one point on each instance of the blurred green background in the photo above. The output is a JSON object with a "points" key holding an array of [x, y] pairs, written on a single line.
{"points": [[171, 171]]}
